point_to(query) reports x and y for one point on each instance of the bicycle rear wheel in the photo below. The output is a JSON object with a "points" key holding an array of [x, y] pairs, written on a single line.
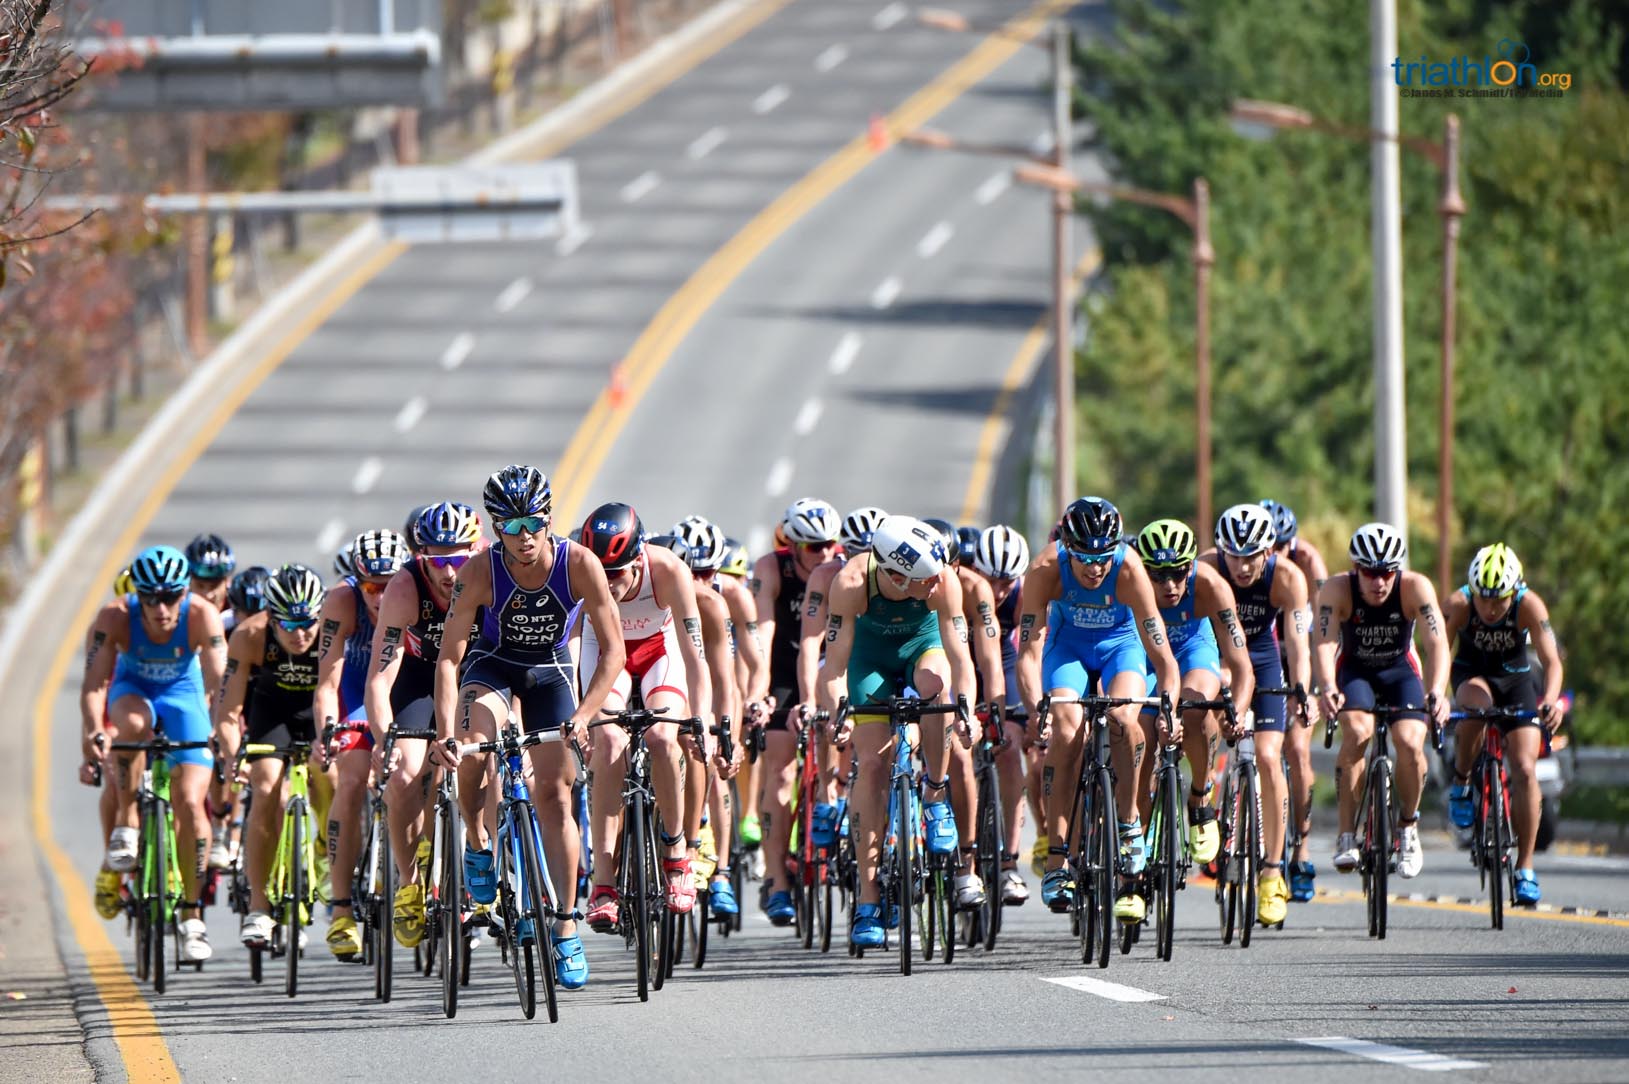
{"points": [[904, 867], [828, 902], [158, 907], [944, 902], [1227, 886], [1495, 859], [539, 908], [1165, 870], [1250, 858], [1378, 854], [636, 850], [1104, 853], [295, 900], [381, 905], [448, 918], [989, 858]]}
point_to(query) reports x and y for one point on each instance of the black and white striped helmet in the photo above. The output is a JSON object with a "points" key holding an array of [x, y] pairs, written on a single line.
{"points": [[294, 593], [1245, 530], [1002, 553], [1378, 547], [858, 527], [379, 553], [811, 521], [708, 548]]}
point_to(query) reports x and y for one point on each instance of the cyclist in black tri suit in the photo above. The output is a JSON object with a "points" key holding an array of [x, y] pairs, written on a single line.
{"points": [[1370, 614], [1492, 618], [1001, 556]]}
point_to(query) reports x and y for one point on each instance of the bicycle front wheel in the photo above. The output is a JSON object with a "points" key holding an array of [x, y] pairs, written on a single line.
{"points": [[158, 898], [448, 919], [540, 907], [1165, 870], [1250, 857], [905, 881], [1227, 885], [641, 864], [1104, 825], [295, 900], [1496, 860], [990, 836], [1378, 856], [381, 905]]}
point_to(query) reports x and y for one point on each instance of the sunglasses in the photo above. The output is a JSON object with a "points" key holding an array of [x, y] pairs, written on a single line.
{"points": [[372, 587], [210, 572], [1377, 573], [1169, 575], [1093, 559], [296, 626], [165, 598], [529, 524], [455, 560]]}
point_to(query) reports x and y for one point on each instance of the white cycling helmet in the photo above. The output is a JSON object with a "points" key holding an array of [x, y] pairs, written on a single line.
{"points": [[906, 545], [1245, 530], [810, 521], [858, 527], [706, 542], [1378, 546], [1002, 553]]}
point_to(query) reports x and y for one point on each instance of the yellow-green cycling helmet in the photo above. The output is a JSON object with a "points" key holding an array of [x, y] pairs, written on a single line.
{"points": [[1167, 543], [124, 583], [736, 561], [1495, 571]]}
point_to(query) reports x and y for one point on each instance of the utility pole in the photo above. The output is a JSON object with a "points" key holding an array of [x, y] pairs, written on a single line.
{"points": [[1390, 454], [1063, 339]]}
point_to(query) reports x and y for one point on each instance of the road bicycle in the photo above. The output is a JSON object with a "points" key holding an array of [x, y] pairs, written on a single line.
{"points": [[291, 885], [1492, 837]]}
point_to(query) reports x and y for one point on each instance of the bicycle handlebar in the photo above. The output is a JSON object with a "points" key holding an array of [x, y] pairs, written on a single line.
{"points": [[1514, 714], [158, 745]]}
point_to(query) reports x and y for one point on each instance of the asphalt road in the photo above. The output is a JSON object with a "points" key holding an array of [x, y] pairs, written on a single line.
{"points": [[856, 357]]}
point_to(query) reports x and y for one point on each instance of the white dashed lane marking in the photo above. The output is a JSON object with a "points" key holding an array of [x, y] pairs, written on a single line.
{"points": [[458, 351], [513, 294], [848, 348], [771, 98]]}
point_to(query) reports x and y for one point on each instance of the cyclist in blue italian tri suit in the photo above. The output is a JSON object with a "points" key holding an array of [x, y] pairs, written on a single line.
{"points": [[170, 652], [527, 593], [349, 614], [1092, 599]]}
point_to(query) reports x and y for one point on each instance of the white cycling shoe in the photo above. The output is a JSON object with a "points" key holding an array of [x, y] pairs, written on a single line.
{"points": [[1347, 855], [195, 941], [969, 891], [1410, 856], [121, 849], [256, 929]]}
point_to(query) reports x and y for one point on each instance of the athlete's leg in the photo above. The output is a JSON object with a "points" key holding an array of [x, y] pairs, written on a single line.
{"points": [[553, 771], [189, 787], [1523, 745], [406, 795], [345, 826], [265, 825]]}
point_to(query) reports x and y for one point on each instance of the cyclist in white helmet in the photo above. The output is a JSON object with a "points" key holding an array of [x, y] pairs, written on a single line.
{"points": [[1369, 615]]}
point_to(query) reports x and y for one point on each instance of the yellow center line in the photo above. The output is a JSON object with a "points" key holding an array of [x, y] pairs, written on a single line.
{"points": [[581, 461], [1023, 363]]}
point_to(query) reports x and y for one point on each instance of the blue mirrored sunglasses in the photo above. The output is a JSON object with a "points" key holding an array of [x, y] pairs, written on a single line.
{"points": [[529, 524], [295, 626], [1092, 558]]}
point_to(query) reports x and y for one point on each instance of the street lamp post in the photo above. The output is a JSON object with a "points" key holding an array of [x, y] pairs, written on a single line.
{"points": [[1451, 207], [1195, 213]]}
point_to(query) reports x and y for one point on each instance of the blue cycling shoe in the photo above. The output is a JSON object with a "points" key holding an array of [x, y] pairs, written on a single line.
{"points": [[1460, 809], [867, 931], [781, 911], [1133, 848], [479, 878], [1527, 888], [823, 825], [721, 898], [570, 963], [1057, 890], [1302, 875], [941, 828]]}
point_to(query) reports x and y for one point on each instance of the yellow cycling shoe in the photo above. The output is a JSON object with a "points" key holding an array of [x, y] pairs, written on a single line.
{"points": [[1204, 835], [344, 939], [108, 902], [1272, 899], [407, 915], [1130, 907], [423, 855], [1037, 855]]}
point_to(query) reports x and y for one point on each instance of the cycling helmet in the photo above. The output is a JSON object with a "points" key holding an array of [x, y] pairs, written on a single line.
{"points": [[247, 591], [1378, 546], [517, 491], [858, 525], [676, 544], [379, 553], [947, 531], [737, 562], [1002, 553], [124, 583], [210, 557], [967, 544], [450, 523], [1495, 572], [1090, 525], [1167, 543], [1284, 524], [613, 532], [908, 546], [810, 521], [159, 568], [708, 549], [344, 563], [410, 528], [294, 593], [1245, 530]]}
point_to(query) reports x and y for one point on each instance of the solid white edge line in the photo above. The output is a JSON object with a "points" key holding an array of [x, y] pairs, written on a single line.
{"points": [[1113, 991], [1423, 1060]]}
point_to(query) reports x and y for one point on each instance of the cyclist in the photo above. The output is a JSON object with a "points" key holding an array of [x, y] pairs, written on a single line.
{"points": [[1369, 614], [780, 584], [343, 564], [1001, 557], [1263, 588], [1202, 624], [210, 561], [271, 677], [707, 791], [854, 536], [1108, 632], [153, 661], [526, 592], [896, 620], [246, 594], [732, 579], [1492, 617], [401, 687], [984, 636], [1298, 739], [349, 613], [655, 598], [93, 773]]}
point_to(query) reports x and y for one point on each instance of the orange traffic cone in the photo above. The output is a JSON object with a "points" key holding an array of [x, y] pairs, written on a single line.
{"points": [[618, 391], [877, 133]]}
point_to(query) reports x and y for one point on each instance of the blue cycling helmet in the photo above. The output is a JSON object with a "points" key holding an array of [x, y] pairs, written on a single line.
{"points": [[210, 558], [450, 523], [247, 591], [157, 569], [1284, 523]]}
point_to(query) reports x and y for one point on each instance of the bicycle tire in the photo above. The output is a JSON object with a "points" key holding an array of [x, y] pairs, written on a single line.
{"points": [[1106, 848], [804, 859], [158, 910], [702, 917], [660, 934], [512, 910], [1227, 894], [1250, 863], [383, 910], [256, 964], [1165, 886], [541, 907], [448, 918], [296, 897], [1379, 848], [927, 913], [988, 848], [945, 903], [1496, 844], [828, 891], [634, 848], [904, 869]]}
